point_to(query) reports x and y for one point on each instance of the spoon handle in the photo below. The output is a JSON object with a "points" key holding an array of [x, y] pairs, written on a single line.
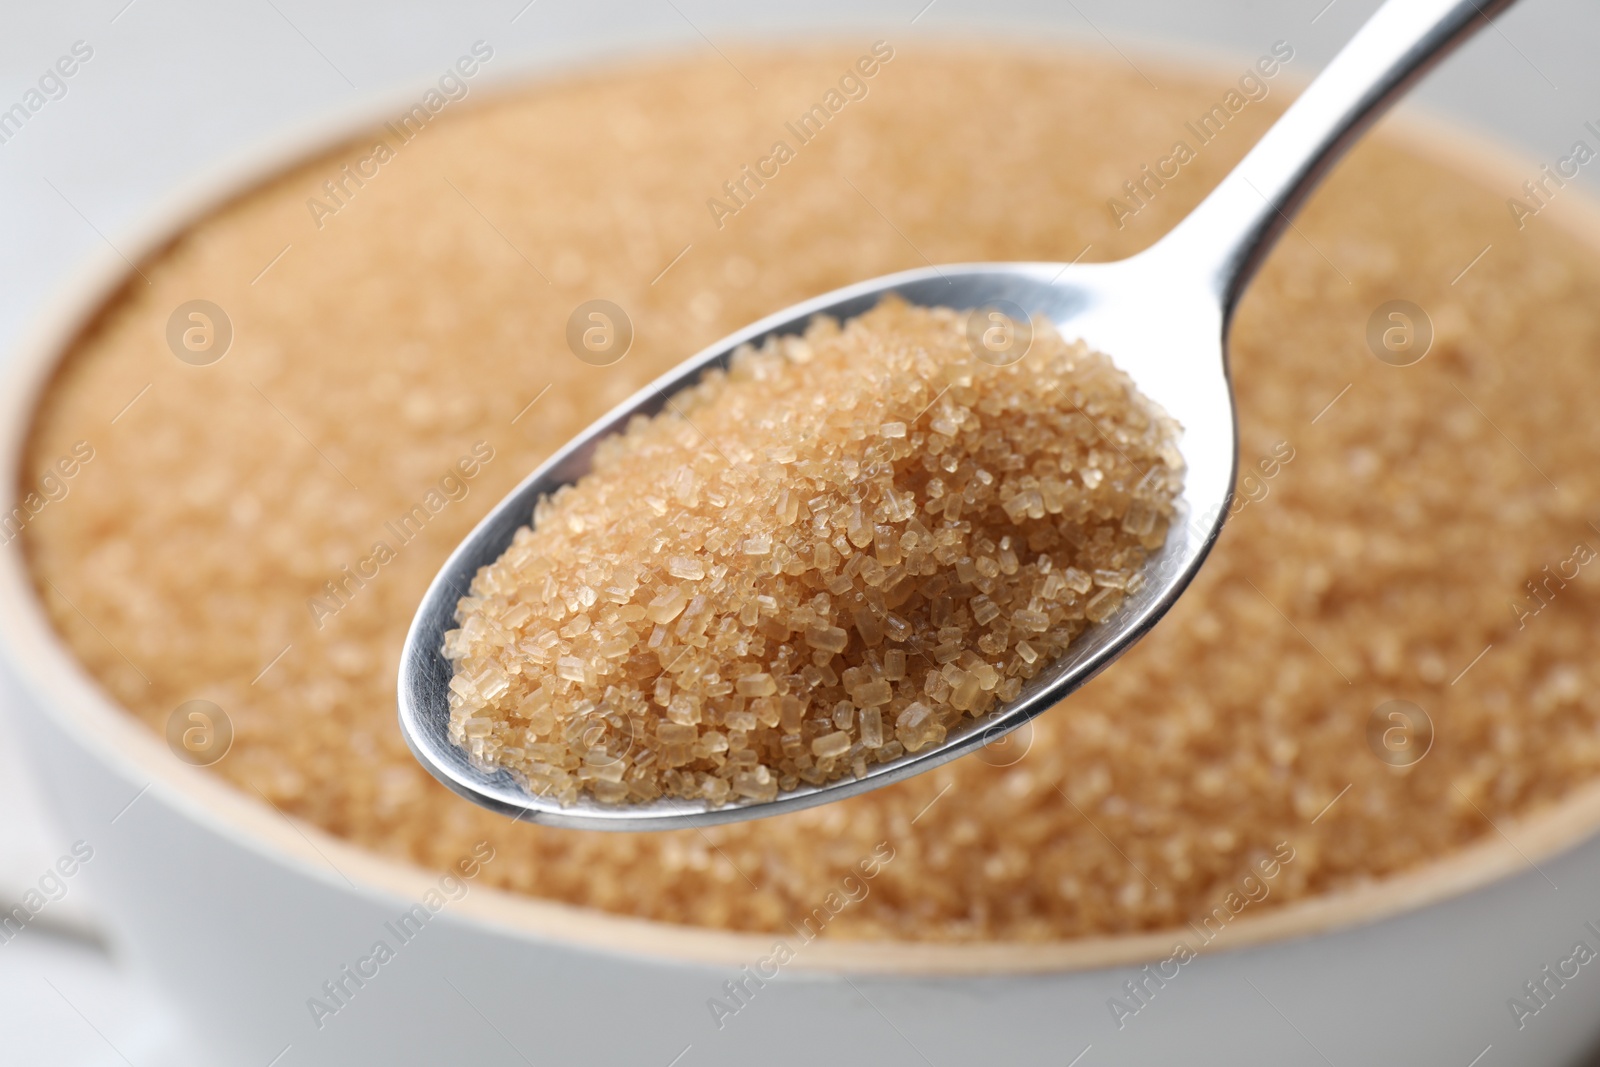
{"points": [[1233, 228]]}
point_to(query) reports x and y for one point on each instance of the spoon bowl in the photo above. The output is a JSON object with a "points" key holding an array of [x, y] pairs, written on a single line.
{"points": [[1090, 301], [1162, 316]]}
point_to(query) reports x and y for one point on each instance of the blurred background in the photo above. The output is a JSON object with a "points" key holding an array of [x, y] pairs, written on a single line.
{"points": [[172, 89]]}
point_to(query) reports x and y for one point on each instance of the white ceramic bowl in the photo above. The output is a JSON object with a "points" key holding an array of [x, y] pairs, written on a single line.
{"points": [[242, 916]]}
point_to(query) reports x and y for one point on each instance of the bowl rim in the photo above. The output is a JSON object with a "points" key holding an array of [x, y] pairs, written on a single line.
{"points": [[60, 688]]}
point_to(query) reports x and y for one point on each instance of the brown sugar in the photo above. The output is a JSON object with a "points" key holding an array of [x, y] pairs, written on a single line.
{"points": [[1391, 528], [845, 546]]}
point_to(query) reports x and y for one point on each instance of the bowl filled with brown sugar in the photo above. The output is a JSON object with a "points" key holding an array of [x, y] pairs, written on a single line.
{"points": [[1337, 806]]}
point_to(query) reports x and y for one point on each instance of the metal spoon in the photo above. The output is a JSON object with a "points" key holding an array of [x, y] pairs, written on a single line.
{"points": [[1162, 315]]}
